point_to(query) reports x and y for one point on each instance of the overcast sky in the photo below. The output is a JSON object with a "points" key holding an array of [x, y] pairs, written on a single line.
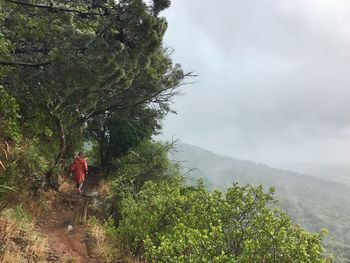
{"points": [[274, 78]]}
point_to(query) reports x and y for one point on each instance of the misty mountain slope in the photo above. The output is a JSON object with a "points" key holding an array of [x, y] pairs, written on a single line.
{"points": [[312, 202]]}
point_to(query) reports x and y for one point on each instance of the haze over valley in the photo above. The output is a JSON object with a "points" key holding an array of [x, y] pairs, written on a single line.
{"points": [[311, 201]]}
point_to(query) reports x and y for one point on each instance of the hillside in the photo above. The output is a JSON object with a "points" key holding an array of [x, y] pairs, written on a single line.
{"points": [[312, 202]]}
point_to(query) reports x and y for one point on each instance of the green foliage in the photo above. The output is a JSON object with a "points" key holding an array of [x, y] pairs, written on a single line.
{"points": [[30, 163], [172, 223], [4, 47], [22, 164], [74, 71], [148, 161], [159, 5], [192, 245], [9, 129], [118, 133], [24, 168]]}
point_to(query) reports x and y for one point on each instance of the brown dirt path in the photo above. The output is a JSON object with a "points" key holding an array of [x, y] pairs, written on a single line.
{"points": [[65, 245]]}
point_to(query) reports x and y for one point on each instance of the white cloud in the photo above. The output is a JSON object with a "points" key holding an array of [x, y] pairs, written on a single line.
{"points": [[274, 77]]}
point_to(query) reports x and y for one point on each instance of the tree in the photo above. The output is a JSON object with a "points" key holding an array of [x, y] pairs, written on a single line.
{"points": [[74, 63], [120, 132]]}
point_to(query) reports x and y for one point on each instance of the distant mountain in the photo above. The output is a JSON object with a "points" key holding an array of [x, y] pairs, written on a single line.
{"points": [[336, 172], [312, 202]]}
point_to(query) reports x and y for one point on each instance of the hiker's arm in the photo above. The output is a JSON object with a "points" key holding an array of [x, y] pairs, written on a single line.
{"points": [[86, 167]]}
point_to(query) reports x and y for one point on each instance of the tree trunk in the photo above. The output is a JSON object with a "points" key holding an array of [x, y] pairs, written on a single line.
{"points": [[51, 176], [63, 150]]}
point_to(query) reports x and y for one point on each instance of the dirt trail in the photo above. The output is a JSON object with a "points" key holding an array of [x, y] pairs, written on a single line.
{"points": [[67, 237]]}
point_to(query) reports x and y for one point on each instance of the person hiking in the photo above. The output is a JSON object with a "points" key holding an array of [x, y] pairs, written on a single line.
{"points": [[80, 169]]}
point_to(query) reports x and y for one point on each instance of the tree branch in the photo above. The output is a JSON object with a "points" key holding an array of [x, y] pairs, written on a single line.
{"points": [[23, 64], [24, 50], [53, 8]]}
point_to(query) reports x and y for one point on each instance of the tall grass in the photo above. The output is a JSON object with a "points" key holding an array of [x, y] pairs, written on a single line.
{"points": [[19, 240]]}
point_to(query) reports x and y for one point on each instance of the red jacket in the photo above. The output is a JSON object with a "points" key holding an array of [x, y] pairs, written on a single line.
{"points": [[80, 168]]}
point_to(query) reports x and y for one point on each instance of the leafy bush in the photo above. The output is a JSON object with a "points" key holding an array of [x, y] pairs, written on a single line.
{"points": [[25, 167], [171, 223], [21, 162], [9, 134], [9, 108], [148, 161]]}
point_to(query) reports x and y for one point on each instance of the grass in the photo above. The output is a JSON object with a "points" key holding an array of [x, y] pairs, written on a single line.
{"points": [[19, 240], [104, 244]]}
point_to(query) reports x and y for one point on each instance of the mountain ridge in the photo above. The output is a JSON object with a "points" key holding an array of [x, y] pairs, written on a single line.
{"points": [[183, 145], [312, 202]]}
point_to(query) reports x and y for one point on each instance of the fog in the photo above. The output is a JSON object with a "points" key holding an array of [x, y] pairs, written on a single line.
{"points": [[274, 78]]}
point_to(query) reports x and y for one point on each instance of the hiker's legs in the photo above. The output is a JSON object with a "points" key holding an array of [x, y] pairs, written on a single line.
{"points": [[79, 186]]}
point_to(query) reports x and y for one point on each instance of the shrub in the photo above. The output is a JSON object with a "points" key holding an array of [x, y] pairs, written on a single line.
{"points": [[147, 162], [171, 223], [25, 167], [9, 129], [21, 162]]}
